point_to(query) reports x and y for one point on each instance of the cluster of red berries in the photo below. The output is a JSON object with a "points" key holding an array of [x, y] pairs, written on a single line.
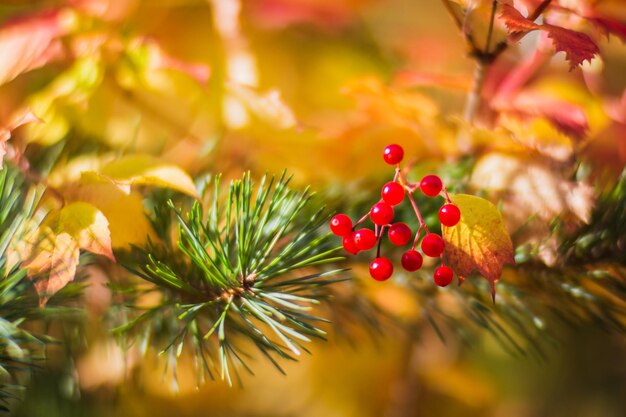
{"points": [[381, 214]]}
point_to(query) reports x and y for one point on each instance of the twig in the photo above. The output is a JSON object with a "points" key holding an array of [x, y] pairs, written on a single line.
{"points": [[483, 59], [459, 24]]}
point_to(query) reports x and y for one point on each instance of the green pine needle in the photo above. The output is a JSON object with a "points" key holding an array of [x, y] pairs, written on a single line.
{"points": [[244, 272], [20, 351]]}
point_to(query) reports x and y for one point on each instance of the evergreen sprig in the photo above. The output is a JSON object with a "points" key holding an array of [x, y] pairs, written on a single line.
{"points": [[238, 275], [20, 350]]}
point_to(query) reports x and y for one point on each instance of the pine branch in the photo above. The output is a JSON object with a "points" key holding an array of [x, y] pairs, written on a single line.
{"points": [[239, 274], [20, 351]]}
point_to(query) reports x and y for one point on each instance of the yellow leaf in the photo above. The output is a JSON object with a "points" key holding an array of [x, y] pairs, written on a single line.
{"points": [[125, 212], [57, 254], [88, 226], [479, 242], [76, 226], [143, 170]]}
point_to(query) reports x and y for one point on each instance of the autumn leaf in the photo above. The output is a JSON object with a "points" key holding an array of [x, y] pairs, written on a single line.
{"points": [[384, 104], [124, 211], [568, 118], [269, 107], [76, 226], [612, 26], [533, 187], [31, 42], [534, 192], [16, 120], [57, 255], [515, 21], [325, 14], [578, 47], [479, 242], [142, 170]]}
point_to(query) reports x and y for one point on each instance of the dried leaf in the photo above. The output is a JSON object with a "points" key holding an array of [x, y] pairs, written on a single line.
{"points": [[479, 242]]}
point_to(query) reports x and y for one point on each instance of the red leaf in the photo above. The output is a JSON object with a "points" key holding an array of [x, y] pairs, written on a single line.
{"points": [[514, 20], [566, 117], [578, 47], [612, 26]]}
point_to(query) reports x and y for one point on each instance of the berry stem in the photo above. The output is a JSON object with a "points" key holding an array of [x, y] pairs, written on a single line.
{"points": [[361, 220], [380, 240], [445, 193], [417, 212], [411, 187], [417, 237]]}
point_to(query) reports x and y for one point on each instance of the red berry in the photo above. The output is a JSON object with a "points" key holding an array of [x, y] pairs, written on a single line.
{"points": [[399, 234], [392, 193], [443, 276], [341, 225], [411, 260], [381, 269], [449, 215], [432, 245], [349, 245], [381, 213], [365, 239], [393, 154], [431, 185]]}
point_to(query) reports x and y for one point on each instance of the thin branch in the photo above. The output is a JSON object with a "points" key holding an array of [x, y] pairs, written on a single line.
{"points": [[539, 10], [492, 18], [459, 24]]}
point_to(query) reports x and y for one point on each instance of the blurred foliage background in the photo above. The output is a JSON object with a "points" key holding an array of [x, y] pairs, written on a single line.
{"points": [[318, 88]]}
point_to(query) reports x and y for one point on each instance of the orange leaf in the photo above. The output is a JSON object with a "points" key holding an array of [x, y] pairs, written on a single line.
{"points": [[30, 42], [479, 242]]}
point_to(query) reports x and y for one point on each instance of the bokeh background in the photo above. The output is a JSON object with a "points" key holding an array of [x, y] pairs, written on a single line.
{"points": [[318, 88]]}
